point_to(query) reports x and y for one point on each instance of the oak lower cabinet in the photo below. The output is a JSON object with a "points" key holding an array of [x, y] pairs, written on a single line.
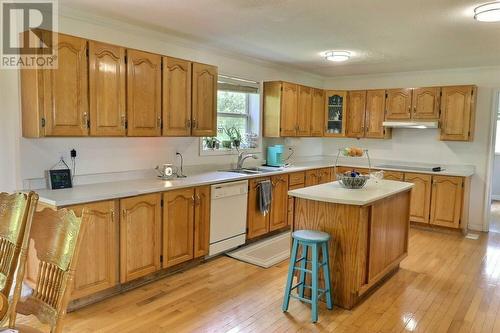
{"points": [[97, 267], [295, 180], [446, 203], [278, 213], [458, 108], [204, 100], [318, 176], [186, 225], [259, 224], [420, 196], [394, 175], [54, 102], [143, 93], [140, 236]]}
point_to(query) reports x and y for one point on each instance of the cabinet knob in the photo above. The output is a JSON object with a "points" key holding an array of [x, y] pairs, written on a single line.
{"points": [[188, 123], [85, 120], [158, 122]]}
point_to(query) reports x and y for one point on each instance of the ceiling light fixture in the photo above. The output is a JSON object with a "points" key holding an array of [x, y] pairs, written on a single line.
{"points": [[337, 56], [489, 12]]}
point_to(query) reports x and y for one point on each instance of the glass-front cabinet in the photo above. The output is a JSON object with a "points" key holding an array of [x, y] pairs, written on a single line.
{"points": [[335, 117]]}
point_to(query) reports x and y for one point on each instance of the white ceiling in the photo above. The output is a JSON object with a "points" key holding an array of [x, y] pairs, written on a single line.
{"points": [[385, 35]]}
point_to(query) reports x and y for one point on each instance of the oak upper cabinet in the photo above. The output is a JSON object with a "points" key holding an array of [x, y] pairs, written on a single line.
{"points": [[143, 93], [140, 236], [97, 267], [278, 212], [335, 113], [425, 103], [375, 112], [398, 104], [446, 206], [304, 111], [178, 226], [280, 109], [318, 112], [204, 100], [107, 89], [458, 106], [420, 196], [176, 97], [258, 223], [356, 113], [55, 101], [289, 109], [201, 221]]}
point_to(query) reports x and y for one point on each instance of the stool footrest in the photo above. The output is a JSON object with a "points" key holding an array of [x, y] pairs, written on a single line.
{"points": [[302, 269], [303, 299]]}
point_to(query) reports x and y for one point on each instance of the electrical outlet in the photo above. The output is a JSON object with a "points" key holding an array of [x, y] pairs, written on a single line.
{"points": [[72, 153]]}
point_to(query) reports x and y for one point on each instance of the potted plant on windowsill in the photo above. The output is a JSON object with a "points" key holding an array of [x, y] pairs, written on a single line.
{"points": [[212, 142], [234, 135]]}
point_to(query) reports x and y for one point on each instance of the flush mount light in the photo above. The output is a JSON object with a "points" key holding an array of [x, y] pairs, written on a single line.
{"points": [[337, 56], [489, 12]]}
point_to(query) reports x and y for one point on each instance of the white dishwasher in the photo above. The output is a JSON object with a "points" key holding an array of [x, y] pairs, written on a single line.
{"points": [[228, 216]]}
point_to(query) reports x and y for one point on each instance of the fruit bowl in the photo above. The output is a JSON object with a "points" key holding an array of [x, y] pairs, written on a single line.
{"points": [[352, 182]]}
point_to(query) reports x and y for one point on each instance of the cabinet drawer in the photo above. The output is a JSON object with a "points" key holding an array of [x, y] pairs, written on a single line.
{"points": [[393, 175], [294, 187], [296, 178]]}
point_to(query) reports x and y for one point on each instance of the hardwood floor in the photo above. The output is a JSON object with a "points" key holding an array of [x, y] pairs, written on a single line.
{"points": [[446, 284]]}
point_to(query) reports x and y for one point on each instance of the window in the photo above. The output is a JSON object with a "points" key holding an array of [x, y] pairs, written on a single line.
{"points": [[238, 113]]}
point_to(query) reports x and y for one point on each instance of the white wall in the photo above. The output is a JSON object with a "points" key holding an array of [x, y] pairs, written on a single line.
{"points": [[96, 155], [495, 184], [424, 145]]}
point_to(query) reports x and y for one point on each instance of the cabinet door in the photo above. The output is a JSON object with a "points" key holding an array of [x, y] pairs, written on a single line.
{"points": [[65, 93], [140, 236], [304, 112], [457, 113], [258, 223], [420, 196], [201, 221], [107, 89], [318, 112], [312, 177], [335, 120], [289, 109], [393, 175], [356, 114], [325, 175], [143, 93], [375, 106], [176, 97], [426, 103], [97, 267], [204, 114], [446, 204], [398, 104], [178, 226], [278, 218]]}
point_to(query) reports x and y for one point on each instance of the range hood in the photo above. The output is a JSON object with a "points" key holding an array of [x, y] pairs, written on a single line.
{"points": [[411, 124]]}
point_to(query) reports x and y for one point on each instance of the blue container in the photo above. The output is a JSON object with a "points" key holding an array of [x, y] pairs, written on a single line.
{"points": [[275, 155]]}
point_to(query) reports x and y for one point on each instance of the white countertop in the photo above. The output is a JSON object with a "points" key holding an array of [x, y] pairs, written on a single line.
{"points": [[334, 192], [127, 188]]}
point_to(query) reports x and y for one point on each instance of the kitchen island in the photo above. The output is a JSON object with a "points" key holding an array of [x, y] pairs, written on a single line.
{"points": [[368, 229]]}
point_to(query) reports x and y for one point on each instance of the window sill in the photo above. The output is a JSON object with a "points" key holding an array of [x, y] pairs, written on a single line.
{"points": [[222, 151]]}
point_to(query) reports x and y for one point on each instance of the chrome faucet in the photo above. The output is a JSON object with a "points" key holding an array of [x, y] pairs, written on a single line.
{"points": [[180, 173], [242, 157]]}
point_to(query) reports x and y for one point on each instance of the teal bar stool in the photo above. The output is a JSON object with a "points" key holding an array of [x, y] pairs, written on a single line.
{"points": [[309, 239]]}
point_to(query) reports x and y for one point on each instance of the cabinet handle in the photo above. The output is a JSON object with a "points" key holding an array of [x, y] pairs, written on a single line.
{"points": [[409, 109], [158, 122], [188, 123], [112, 211], [124, 213], [414, 109], [193, 200], [123, 120], [194, 123], [198, 199], [85, 120]]}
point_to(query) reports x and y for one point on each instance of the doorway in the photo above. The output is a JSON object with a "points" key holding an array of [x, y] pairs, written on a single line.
{"points": [[494, 203]]}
